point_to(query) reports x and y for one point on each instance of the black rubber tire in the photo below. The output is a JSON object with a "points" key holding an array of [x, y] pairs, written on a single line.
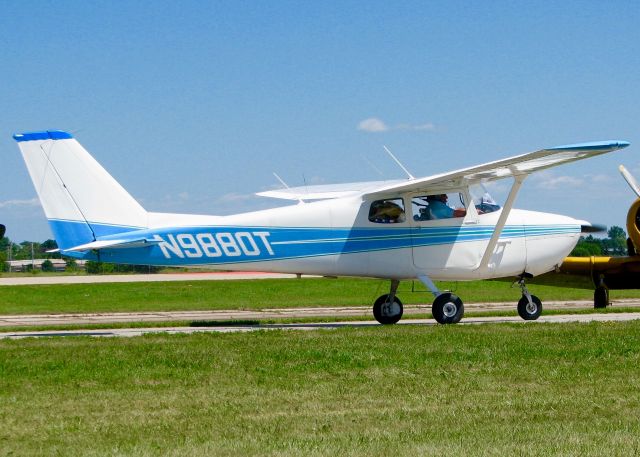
{"points": [[447, 308], [527, 313], [601, 297], [386, 314]]}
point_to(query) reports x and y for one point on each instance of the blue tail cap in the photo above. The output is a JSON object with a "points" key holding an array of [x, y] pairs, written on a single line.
{"points": [[44, 135]]}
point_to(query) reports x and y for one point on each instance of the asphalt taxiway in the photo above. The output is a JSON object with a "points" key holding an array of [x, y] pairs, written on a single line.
{"points": [[42, 320], [130, 332]]}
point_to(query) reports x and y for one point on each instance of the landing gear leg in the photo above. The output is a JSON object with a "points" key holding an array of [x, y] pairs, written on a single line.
{"points": [[387, 309], [601, 295], [529, 306], [447, 308]]}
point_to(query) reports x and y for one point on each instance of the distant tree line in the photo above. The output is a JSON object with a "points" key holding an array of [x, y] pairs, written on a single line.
{"points": [[614, 245], [23, 251], [97, 268]]}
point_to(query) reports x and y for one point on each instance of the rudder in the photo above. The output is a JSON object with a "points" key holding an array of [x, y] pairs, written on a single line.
{"points": [[81, 200]]}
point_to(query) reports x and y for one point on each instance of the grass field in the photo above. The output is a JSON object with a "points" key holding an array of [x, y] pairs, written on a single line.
{"points": [[266, 293], [538, 389]]}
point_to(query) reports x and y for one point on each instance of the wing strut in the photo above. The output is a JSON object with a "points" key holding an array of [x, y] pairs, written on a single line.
{"points": [[517, 183]]}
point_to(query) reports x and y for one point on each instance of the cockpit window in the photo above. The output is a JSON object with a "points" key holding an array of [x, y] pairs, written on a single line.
{"points": [[482, 200], [438, 206], [389, 211]]}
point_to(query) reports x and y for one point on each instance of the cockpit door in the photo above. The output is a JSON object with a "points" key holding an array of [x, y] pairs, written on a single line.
{"points": [[444, 232]]}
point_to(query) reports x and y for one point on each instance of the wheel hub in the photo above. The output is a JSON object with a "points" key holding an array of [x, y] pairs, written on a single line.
{"points": [[391, 309], [531, 307], [449, 309]]}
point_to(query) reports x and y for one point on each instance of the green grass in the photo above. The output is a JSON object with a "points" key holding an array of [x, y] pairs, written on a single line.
{"points": [[540, 389], [261, 294]]}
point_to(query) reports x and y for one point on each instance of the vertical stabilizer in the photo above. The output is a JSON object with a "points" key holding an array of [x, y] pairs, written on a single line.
{"points": [[80, 199]]}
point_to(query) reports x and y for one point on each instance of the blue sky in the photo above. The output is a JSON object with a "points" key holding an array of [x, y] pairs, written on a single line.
{"points": [[192, 105]]}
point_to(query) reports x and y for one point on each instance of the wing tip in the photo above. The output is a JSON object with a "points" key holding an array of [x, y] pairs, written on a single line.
{"points": [[609, 145]]}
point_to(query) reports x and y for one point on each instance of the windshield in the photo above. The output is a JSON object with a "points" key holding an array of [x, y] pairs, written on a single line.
{"points": [[482, 200]]}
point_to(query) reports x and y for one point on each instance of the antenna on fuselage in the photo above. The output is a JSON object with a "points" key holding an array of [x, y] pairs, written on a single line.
{"points": [[285, 184], [398, 162]]}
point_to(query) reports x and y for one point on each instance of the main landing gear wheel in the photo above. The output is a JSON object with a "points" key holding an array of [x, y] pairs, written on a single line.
{"points": [[601, 297], [447, 308], [387, 312], [529, 311]]}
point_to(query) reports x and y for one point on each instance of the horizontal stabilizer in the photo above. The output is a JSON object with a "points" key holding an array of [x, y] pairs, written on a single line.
{"points": [[114, 244]]}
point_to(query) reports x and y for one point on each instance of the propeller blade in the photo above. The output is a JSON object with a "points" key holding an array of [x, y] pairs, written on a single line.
{"points": [[2, 229], [630, 180]]}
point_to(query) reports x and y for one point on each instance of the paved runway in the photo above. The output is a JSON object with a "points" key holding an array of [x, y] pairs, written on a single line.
{"points": [[41, 320], [128, 332]]}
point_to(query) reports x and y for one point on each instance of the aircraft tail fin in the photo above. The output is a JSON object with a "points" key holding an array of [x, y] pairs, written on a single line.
{"points": [[81, 200]]}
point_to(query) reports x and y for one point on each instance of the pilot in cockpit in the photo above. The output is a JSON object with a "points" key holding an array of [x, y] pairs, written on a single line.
{"points": [[439, 208]]}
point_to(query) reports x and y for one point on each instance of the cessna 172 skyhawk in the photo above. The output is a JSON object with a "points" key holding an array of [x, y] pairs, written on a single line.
{"points": [[394, 230]]}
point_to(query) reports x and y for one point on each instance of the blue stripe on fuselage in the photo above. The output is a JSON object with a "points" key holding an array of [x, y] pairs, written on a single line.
{"points": [[223, 245]]}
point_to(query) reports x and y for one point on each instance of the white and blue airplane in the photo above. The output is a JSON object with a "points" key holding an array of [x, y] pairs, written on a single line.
{"points": [[395, 230]]}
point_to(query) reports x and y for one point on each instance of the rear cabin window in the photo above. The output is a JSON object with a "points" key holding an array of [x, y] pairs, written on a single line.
{"points": [[389, 211]]}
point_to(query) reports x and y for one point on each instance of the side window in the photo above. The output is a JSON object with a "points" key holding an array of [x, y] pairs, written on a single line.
{"points": [[438, 206], [482, 200], [389, 211]]}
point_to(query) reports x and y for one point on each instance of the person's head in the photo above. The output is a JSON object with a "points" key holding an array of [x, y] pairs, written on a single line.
{"points": [[440, 197]]}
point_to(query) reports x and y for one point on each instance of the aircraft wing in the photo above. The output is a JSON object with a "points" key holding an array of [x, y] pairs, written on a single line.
{"points": [[513, 166], [326, 191]]}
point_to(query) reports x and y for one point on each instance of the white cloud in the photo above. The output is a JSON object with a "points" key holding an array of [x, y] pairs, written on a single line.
{"points": [[17, 203], [373, 124], [428, 127], [600, 178], [234, 197], [558, 182]]}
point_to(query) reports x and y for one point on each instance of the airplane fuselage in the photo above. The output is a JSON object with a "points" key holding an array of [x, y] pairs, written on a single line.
{"points": [[336, 237]]}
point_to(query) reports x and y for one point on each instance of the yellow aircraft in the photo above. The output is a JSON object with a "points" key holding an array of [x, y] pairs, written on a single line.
{"points": [[613, 272]]}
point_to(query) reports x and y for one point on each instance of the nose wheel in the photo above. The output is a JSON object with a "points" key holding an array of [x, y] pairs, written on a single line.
{"points": [[529, 310], [529, 306]]}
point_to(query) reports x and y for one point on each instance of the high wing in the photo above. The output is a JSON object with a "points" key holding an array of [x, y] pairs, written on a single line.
{"points": [[519, 165], [328, 191]]}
